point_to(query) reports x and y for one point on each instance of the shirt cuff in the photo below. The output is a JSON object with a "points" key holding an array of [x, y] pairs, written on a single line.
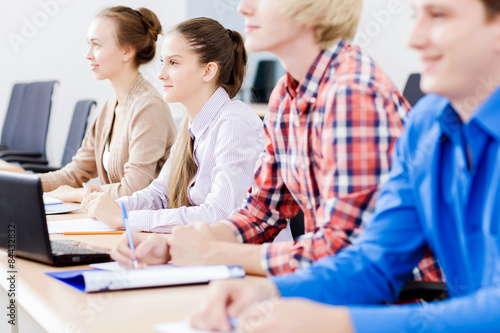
{"points": [[140, 220], [236, 232], [275, 258], [390, 319], [290, 285]]}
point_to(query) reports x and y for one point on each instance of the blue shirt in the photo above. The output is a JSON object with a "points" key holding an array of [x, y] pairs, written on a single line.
{"points": [[443, 191]]}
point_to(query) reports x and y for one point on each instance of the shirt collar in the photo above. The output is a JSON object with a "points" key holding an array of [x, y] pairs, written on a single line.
{"points": [[306, 91], [488, 114], [449, 120], [208, 112]]}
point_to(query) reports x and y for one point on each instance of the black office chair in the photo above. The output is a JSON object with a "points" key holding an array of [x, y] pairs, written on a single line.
{"points": [[411, 291], [412, 90], [26, 130], [265, 80], [73, 142], [297, 225], [11, 118], [428, 291]]}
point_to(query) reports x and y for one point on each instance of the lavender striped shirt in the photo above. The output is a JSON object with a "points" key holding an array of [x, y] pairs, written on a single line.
{"points": [[228, 138]]}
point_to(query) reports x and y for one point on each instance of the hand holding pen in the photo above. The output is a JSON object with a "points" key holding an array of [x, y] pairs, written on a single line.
{"points": [[129, 233]]}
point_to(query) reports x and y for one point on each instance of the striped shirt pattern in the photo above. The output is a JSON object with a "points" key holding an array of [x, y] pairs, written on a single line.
{"points": [[228, 139], [328, 143]]}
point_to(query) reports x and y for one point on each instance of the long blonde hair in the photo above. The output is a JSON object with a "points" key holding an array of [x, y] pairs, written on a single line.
{"points": [[183, 168], [212, 43]]}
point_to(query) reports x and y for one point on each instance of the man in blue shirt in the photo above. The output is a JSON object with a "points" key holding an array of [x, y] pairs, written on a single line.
{"points": [[443, 191]]}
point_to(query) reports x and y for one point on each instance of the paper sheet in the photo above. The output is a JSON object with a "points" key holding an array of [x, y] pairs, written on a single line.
{"points": [[77, 225], [114, 266], [61, 208], [50, 200]]}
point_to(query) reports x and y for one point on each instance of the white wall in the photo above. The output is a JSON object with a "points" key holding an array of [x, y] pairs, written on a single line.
{"points": [[383, 32], [56, 48]]}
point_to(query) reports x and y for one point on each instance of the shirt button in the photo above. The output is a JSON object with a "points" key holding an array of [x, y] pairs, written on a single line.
{"points": [[309, 206], [313, 100], [303, 166]]}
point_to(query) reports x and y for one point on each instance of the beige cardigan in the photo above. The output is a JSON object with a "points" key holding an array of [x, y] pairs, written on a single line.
{"points": [[143, 133]]}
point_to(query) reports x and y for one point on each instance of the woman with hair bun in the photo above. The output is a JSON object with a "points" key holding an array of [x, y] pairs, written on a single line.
{"points": [[130, 140], [211, 166]]}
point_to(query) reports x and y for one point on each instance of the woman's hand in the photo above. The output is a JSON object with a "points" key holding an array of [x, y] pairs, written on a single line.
{"points": [[89, 189], [67, 193], [103, 208]]}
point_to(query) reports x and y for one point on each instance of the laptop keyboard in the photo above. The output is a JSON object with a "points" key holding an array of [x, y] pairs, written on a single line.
{"points": [[62, 247]]}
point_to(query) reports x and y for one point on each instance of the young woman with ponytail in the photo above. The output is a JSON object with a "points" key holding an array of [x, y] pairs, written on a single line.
{"points": [[117, 148], [211, 166]]}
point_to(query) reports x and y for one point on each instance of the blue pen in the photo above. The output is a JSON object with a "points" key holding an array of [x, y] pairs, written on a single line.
{"points": [[129, 234]]}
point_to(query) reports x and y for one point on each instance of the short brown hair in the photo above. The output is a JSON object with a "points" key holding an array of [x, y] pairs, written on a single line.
{"points": [[492, 8], [136, 28]]}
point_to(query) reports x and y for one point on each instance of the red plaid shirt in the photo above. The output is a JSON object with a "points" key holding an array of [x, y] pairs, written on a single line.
{"points": [[328, 143]]}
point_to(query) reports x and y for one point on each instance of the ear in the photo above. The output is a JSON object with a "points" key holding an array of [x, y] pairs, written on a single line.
{"points": [[128, 53], [211, 70]]}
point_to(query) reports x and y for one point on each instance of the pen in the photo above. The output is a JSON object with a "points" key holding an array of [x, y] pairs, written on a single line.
{"points": [[84, 184], [111, 232], [129, 234]]}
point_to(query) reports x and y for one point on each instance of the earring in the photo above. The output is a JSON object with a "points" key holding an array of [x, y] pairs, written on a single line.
{"points": [[204, 81]]}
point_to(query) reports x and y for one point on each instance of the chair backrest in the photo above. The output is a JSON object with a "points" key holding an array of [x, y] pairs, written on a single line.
{"points": [[412, 90], [32, 121], [77, 129], [13, 113], [265, 80], [297, 225]]}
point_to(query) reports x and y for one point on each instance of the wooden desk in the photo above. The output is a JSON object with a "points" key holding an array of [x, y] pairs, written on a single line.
{"points": [[6, 166], [48, 305]]}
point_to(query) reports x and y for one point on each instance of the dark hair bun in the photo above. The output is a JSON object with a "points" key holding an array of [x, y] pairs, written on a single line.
{"points": [[137, 28]]}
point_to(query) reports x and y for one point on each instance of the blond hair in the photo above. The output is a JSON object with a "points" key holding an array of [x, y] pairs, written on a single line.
{"points": [[329, 19]]}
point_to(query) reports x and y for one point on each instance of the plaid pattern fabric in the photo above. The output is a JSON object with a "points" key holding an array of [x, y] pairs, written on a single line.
{"points": [[328, 143]]}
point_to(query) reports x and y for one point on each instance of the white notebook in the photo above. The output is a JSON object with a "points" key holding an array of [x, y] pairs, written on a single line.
{"points": [[93, 280], [77, 225]]}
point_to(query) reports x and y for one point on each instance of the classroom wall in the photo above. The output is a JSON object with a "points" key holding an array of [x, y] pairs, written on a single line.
{"points": [[46, 39], [383, 32]]}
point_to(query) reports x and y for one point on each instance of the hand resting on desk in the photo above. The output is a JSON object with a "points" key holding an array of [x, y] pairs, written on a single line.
{"points": [[67, 193], [102, 207], [259, 309]]}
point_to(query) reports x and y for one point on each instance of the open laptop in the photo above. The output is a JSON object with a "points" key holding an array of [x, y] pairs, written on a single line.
{"points": [[23, 225]]}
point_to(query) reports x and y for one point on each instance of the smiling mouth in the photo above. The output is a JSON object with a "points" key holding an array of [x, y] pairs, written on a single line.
{"points": [[429, 62]]}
